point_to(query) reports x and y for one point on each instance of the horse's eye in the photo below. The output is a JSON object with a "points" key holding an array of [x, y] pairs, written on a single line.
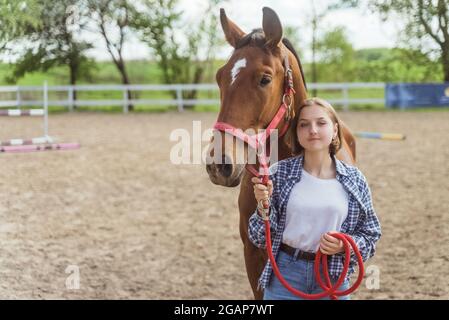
{"points": [[265, 80]]}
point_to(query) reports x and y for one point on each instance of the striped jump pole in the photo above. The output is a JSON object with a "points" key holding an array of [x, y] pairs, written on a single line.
{"points": [[25, 142], [42, 147], [380, 135], [22, 113]]}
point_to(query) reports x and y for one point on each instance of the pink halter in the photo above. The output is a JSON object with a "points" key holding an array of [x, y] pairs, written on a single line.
{"points": [[261, 138]]}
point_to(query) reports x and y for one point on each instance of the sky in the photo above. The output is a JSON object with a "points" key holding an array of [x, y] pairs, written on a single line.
{"points": [[364, 29]]}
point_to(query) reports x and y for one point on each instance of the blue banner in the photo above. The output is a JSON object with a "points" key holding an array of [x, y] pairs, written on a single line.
{"points": [[407, 95]]}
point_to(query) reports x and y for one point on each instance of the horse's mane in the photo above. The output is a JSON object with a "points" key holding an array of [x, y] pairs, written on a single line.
{"points": [[257, 38]]}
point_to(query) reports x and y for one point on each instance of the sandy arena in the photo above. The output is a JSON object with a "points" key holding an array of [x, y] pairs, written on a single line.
{"points": [[139, 227]]}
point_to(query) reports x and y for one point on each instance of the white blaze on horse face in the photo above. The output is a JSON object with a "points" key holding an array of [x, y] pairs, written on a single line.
{"points": [[236, 68]]}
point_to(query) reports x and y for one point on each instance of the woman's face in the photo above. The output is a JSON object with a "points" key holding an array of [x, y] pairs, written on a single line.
{"points": [[315, 129]]}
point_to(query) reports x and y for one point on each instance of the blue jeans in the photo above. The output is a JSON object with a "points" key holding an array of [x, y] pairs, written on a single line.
{"points": [[300, 275]]}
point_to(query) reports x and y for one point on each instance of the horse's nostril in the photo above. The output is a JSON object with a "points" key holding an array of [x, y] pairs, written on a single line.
{"points": [[211, 169], [225, 169]]}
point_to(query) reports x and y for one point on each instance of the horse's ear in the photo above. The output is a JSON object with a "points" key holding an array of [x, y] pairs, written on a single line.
{"points": [[232, 32], [271, 27]]}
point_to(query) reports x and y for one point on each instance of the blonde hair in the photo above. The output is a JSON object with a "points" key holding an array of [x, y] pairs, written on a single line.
{"points": [[296, 147]]}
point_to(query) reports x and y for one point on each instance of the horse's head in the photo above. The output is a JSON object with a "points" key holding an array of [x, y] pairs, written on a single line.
{"points": [[251, 89]]}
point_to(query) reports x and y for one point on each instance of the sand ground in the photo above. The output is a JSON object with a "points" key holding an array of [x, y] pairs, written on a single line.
{"points": [[138, 227]]}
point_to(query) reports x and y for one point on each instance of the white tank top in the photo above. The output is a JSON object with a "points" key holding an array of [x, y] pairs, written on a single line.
{"points": [[315, 206]]}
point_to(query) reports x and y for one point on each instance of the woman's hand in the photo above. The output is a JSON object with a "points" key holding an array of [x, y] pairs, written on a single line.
{"points": [[330, 245], [262, 192]]}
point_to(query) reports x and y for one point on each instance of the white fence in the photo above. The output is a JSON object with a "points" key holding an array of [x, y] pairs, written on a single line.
{"points": [[20, 100]]}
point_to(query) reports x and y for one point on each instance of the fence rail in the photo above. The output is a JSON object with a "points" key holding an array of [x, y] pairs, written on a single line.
{"points": [[70, 102]]}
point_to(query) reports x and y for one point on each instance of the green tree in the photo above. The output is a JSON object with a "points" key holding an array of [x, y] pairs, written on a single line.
{"points": [[52, 42], [183, 60], [426, 25], [395, 65], [15, 18], [112, 18], [316, 17], [335, 56]]}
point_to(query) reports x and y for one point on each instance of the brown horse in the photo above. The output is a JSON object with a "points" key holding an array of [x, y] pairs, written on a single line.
{"points": [[251, 89]]}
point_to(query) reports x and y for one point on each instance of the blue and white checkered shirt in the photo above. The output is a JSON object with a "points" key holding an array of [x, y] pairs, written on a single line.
{"points": [[361, 223]]}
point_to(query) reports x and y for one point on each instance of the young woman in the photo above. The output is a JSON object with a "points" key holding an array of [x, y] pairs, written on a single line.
{"points": [[312, 195]]}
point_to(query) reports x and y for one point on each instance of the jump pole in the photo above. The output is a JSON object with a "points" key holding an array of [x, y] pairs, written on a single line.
{"points": [[380, 135], [41, 147]]}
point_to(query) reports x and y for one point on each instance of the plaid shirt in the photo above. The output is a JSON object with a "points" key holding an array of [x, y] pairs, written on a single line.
{"points": [[361, 223]]}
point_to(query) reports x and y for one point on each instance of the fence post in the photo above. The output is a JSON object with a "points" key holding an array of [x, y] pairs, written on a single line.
{"points": [[179, 99], [45, 109], [18, 98], [70, 97], [125, 99], [345, 97]]}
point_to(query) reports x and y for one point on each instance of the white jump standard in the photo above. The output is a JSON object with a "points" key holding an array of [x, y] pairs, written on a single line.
{"points": [[36, 144]]}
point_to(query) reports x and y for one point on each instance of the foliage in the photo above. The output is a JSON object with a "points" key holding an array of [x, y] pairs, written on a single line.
{"points": [[425, 25], [335, 56], [51, 42], [182, 58], [15, 18]]}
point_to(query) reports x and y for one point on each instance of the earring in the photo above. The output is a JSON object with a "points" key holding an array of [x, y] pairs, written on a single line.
{"points": [[335, 141]]}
